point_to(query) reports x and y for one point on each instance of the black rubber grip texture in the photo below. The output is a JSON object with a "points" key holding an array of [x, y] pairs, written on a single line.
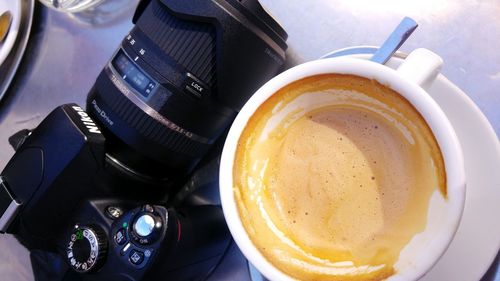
{"points": [[147, 126], [191, 44]]}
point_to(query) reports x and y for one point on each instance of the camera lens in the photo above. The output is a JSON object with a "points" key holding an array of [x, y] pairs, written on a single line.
{"points": [[179, 78]]}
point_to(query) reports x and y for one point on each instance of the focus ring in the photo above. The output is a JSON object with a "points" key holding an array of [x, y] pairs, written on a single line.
{"points": [[146, 125]]}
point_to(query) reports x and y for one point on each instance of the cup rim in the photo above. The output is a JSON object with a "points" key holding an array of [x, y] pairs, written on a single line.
{"points": [[425, 105]]}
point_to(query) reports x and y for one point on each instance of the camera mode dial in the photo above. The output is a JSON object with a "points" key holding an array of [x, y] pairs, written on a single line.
{"points": [[86, 249]]}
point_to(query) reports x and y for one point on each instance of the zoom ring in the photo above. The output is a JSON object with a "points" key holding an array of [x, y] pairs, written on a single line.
{"points": [[149, 127], [190, 44]]}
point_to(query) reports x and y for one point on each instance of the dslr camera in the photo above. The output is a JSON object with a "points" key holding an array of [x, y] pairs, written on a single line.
{"points": [[91, 193]]}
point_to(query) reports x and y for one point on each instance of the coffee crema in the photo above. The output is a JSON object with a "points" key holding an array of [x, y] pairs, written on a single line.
{"points": [[333, 176]]}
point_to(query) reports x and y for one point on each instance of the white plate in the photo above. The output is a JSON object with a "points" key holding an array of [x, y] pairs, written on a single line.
{"points": [[14, 6], [477, 241]]}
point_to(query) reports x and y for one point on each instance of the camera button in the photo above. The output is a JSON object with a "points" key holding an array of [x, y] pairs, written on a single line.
{"points": [[148, 208], [114, 212], [120, 237], [195, 87], [125, 249], [136, 257], [144, 225]]}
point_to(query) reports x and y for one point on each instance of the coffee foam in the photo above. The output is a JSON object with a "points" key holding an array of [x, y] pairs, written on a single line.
{"points": [[333, 176]]}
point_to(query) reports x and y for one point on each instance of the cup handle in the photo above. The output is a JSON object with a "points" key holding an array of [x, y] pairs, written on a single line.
{"points": [[421, 67]]}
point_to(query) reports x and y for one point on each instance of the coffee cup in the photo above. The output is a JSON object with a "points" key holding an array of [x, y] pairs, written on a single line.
{"points": [[344, 169]]}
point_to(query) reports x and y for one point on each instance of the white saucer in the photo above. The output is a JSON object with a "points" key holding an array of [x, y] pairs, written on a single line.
{"points": [[14, 6], [477, 241]]}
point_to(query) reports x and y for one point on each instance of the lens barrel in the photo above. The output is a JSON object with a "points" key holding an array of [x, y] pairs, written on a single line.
{"points": [[179, 78]]}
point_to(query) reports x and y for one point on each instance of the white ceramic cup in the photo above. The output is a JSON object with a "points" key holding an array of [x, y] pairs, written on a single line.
{"points": [[417, 72]]}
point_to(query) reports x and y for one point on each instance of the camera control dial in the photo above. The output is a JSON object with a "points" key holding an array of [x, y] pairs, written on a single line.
{"points": [[147, 225], [86, 248]]}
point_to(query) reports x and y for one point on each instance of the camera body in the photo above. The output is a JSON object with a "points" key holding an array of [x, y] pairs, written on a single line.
{"points": [[148, 242], [94, 188], [55, 166], [61, 192]]}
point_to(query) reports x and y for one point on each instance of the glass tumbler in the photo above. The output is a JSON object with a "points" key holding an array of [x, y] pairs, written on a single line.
{"points": [[71, 6]]}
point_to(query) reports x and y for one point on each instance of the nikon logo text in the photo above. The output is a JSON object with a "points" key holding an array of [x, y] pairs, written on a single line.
{"points": [[86, 120]]}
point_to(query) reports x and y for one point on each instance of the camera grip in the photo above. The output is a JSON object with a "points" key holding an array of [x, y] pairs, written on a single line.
{"points": [[202, 240]]}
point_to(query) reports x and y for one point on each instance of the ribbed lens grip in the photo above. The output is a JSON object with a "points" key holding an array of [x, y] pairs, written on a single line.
{"points": [[190, 44], [147, 126]]}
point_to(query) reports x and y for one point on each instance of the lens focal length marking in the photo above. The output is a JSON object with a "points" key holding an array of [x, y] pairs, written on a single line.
{"points": [[133, 75], [131, 94]]}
